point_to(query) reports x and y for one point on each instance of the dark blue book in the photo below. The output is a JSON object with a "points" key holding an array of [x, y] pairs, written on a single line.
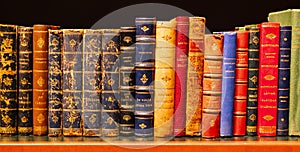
{"points": [[92, 82], [228, 77], [8, 80], [72, 82], [127, 78], [284, 80], [144, 76], [110, 65], [55, 83], [253, 61], [25, 124]]}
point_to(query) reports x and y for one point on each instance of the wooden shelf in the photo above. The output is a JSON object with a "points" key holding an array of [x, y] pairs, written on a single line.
{"points": [[97, 144]]}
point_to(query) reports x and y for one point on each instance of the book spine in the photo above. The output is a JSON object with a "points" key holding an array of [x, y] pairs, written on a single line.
{"points": [[284, 80], [181, 53], [8, 79], [110, 82], [127, 77], [241, 82], [55, 83], [228, 73], [72, 82], [40, 78], [268, 79], [164, 84], [144, 76], [195, 76], [25, 126], [91, 111], [212, 85], [253, 61]]}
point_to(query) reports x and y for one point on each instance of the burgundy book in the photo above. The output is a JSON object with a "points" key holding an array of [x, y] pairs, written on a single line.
{"points": [[182, 27], [268, 79], [241, 84]]}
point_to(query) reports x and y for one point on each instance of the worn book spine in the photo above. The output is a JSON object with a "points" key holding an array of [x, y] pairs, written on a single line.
{"points": [[268, 79], [212, 85], [40, 78], [55, 82], [91, 111], [144, 76], [195, 76], [253, 60], [8, 80], [72, 82], [25, 126], [284, 80], [110, 65], [228, 73], [290, 17], [164, 84], [181, 53], [241, 84], [127, 77]]}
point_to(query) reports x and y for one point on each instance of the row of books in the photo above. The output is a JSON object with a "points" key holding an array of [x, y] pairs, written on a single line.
{"points": [[156, 78]]}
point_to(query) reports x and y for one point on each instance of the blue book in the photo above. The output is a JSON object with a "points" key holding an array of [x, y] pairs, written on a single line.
{"points": [[228, 73], [144, 76], [284, 80]]}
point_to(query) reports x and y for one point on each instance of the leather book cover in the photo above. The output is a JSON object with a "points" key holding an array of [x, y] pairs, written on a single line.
{"points": [[8, 80], [164, 83], [228, 73], [253, 60], [25, 126], [72, 82], [195, 75], [127, 77], [290, 17], [181, 53], [144, 75], [241, 83], [40, 78], [284, 80], [268, 79], [55, 83], [212, 85], [91, 112], [110, 82]]}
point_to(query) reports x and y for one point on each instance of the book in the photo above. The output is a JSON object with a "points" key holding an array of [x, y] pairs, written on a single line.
{"points": [[8, 80], [91, 100], [110, 82], [268, 79], [181, 53], [212, 85], [228, 73], [25, 126], [144, 76], [164, 84], [241, 82], [127, 77], [72, 82], [195, 76], [253, 60], [40, 78], [55, 82], [284, 80], [289, 17]]}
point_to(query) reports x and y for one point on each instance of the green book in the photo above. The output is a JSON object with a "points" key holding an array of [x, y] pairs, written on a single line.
{"points": [[290, 17]]}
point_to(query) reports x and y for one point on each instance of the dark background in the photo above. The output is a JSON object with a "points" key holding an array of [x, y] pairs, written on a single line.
{"points": [[220, 14]]}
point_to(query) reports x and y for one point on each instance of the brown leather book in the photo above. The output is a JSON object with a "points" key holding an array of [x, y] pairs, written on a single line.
{"points": [[40, 78]]}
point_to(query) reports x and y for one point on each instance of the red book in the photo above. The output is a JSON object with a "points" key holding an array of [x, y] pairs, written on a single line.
{"points": [[241, 84], [268, 79], [182, 27]]}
